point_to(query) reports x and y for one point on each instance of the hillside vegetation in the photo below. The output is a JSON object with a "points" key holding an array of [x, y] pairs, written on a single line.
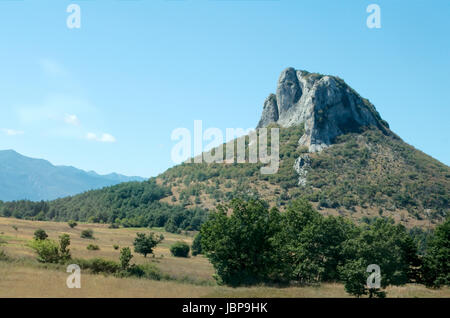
{"points": [[132, 204], [362, 175]]}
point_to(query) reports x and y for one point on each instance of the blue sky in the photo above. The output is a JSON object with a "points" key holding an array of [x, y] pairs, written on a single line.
{"points": [[107, 96]]}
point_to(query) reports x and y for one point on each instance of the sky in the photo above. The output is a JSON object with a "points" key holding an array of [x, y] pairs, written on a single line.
{"points": [[107, 96]]}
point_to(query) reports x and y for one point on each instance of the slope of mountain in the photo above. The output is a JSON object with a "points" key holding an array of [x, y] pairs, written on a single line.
{"points": [[36, 179]]}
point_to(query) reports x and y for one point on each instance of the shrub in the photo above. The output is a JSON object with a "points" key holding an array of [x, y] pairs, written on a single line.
{"points": [[47, 250], [40, 234], [87, 234], [93, 247], [113, 226], [180, 249], [72, 224], [98, 265], [116, 247], [147, 271], [3, 256], [102, 266], [151, 271]]}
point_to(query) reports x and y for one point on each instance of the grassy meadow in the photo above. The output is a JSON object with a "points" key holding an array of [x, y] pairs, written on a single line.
{"points": [[23, 276]]}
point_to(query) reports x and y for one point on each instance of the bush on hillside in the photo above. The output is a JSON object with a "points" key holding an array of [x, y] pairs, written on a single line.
{"points": [[87, 234], [40, 234], [180, 249], [47, 250], [93, 247], [72, 224]]}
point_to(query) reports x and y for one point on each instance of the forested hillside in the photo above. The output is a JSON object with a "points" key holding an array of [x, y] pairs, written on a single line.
{"points": [[360, 176], [132, 204]]}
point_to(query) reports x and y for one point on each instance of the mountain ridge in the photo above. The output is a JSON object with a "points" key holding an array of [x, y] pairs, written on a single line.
{"points": [[34, 179]]}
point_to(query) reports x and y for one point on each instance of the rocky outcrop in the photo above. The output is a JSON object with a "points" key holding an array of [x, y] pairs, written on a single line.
{"points": [[270, 111], [326, 105], [301, 166]]}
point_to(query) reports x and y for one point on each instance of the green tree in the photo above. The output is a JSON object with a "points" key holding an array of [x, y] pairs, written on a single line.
{"points": [[382, 243], [241, 246], [144, 244], [40, 234], [354, 276], [125, 258], [197, 245], [436, 263], [314, 244]]}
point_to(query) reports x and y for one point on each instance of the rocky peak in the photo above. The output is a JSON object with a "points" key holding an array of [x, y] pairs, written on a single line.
{"points": [[326, 105]]}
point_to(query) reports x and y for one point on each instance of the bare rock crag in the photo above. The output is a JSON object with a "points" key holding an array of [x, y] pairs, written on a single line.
{"points": [[325, 104]]}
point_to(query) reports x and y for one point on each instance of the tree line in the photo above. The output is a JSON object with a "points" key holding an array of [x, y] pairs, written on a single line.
{"points": [[248, 243]]}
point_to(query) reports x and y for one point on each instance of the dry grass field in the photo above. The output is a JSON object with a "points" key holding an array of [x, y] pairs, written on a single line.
{"points": [[192, 277]]}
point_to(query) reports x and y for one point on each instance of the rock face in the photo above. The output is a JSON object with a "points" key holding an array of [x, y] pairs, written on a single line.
{"points": [[270, 111], [301, 166], [326, 105]]}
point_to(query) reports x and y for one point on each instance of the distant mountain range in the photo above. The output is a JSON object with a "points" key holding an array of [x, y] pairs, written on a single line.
{"points": [[37, 179]]}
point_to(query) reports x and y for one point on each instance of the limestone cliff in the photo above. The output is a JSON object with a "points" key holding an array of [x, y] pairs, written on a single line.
{"points": [[326, 105]]}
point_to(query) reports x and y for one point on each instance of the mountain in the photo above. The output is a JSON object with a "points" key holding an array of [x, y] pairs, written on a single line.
{"points": [[36, 179], [335, 151]]}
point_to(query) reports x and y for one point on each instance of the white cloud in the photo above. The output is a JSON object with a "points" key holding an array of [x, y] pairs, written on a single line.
{"points": [[12, 132], [91, 136], [72, 120], [55, 107], [107, 138], [102, 138]]}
